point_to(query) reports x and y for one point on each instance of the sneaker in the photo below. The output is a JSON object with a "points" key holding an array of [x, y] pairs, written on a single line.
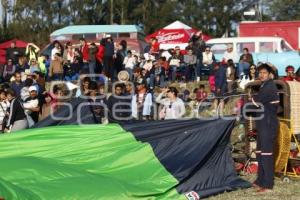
{"points": [[264, 190]]}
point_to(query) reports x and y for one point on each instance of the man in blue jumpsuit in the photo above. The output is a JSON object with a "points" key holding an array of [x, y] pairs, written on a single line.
{"points": [[268, 99]]}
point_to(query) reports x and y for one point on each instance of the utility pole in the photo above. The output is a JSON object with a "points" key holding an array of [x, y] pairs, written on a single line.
{"points": [[111, 11]]}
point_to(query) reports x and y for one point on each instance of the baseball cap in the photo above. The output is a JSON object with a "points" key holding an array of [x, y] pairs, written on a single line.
{"points": [[32, 88]]}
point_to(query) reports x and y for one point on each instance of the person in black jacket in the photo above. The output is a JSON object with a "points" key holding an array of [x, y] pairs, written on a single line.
{"points": [[13, 53], [108, 58], [118, 105], [17, 119], [267, 99]]}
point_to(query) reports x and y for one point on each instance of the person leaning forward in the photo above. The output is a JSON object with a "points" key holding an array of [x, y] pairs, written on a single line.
{"points": [[268, 100]]}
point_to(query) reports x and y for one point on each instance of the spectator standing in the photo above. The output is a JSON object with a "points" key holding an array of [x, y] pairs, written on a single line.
{"points": [[56, 68], [17, 84], [230, 75], [32, 51], [100, 56], [198, 46], [129, 63], [93, 49], [13, 53], [84, 50], [4, 105], [141, 102], [173, 107], [17, 119], [57, 48], [68, 54], [108, 58]]}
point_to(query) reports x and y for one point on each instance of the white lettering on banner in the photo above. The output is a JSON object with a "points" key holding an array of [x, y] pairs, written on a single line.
{"points": [[169, 36]]}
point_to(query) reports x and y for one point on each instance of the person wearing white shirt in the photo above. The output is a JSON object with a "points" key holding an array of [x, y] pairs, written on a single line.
{"points": [[173, 107], [230, 54], [129, 63]]}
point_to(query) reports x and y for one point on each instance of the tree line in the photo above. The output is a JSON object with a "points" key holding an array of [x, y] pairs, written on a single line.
{"points": [[34, 20]]}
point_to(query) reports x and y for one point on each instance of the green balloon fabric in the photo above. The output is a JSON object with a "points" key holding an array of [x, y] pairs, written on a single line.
{"points": [[81, 162]]}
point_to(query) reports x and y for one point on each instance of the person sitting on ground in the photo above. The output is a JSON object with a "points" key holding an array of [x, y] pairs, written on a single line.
{"points": [[201, 94], [173, 107]]}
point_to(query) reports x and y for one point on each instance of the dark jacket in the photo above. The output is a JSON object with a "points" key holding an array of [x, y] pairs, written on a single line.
{"points": [[109, 49], [16, 112]]}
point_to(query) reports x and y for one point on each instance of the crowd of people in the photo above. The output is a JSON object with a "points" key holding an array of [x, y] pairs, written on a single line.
{"points": [[27, 95]]}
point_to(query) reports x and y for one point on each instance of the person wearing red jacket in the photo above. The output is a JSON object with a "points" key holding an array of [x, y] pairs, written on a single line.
{"points": [[154, 50], [84, 49], [290, 74], [100, 55]]}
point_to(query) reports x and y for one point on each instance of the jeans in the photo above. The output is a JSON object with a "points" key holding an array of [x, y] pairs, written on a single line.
{"points": [[189, 72], [243, 69], [173, 70], [130, 72], [92, 67], [57, 77], [72, 77], [154, 82]]}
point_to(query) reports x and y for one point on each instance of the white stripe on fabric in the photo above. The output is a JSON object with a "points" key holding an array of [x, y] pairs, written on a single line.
{"points": [[266, 154]]}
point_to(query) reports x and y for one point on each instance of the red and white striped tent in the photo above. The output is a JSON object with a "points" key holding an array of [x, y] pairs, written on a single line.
{"points": [[175, 34]]}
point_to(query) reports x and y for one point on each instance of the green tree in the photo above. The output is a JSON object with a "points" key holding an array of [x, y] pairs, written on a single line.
{"points": [[285, 10]]}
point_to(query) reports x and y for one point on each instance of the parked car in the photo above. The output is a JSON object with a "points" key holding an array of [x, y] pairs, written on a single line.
{"points": [[274, 50]]}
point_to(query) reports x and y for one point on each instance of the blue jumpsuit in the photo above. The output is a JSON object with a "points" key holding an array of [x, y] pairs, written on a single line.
{"points": [[267, 128]]}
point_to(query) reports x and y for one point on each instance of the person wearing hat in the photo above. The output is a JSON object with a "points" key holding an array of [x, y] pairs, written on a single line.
{"points": [[230, 54], [16, 114], [141, 103], [290, 74], [32, 104]]}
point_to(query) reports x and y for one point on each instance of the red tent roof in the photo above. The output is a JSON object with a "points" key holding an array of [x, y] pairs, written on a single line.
{"points": [[19, 44], [175, 33]]}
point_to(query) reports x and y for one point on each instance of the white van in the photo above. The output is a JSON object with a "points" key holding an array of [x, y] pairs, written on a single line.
{"points": [[264, 49]]}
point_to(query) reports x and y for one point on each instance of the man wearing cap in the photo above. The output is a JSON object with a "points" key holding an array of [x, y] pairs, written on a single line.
{"points": [[230, 54], [109, 52], [290, 74], [32, 104], [141, 103]]}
